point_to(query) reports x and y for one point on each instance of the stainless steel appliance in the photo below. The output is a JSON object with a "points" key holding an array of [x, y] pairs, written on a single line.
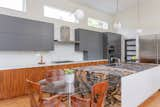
{"points": [[149, 49]]}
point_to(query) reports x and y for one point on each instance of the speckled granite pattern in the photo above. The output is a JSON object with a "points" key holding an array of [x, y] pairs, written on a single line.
{"points": [[122, 70], [114, 75], [136, 66]]}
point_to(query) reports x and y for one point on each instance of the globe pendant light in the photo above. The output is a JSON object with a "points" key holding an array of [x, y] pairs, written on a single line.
{"points": [[139, 30], [79, 14], [117, 24]]}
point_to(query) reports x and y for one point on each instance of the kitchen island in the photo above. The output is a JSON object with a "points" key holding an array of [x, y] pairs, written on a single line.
{"points": [[126, 90]]}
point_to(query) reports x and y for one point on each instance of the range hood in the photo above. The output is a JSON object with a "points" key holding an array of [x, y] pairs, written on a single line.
{"points": [[65, 33]]}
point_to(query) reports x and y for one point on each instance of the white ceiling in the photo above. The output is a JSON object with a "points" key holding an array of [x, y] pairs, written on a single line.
{"points": [[108, 6]]}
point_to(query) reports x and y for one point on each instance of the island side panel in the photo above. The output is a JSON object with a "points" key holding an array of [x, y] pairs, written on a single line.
{"points": [[136, 88]]}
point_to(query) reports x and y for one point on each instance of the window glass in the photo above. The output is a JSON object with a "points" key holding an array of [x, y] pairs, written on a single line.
{"points": [[59, 14], [97, 23], [13, 4]]}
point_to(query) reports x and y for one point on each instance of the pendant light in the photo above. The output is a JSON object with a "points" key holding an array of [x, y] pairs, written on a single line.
{"points": [[139, 30], [79, 14], [117, 24]]}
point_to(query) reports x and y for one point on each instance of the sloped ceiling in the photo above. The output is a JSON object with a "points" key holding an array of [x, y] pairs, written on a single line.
{"points": [[108, 6]]}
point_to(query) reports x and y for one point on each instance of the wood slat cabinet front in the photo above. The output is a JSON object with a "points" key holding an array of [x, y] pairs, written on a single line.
{"points": [[12, 82]]}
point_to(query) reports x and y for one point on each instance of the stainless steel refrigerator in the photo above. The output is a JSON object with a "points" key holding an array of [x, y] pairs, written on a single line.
{"points": [[149, 49]]}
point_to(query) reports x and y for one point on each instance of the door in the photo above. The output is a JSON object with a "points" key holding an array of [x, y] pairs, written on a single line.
{"points": [[148, 49]]}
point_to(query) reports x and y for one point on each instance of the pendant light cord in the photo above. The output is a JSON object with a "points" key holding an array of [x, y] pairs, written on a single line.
{"points": [[117, 24], [117, 6], [138, 12]]}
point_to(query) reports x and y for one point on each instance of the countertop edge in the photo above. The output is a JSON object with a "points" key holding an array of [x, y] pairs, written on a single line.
{"points": [[45, 65]]}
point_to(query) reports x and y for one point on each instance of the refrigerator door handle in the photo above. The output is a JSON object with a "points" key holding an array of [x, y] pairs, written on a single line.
{"points": [[156, 47]]}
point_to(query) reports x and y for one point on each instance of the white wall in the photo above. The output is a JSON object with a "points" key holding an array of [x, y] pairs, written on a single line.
{"points": [[150, 15], [61, 52]]}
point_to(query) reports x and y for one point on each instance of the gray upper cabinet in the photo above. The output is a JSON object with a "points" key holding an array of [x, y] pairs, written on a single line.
{"points": [[95, 46], [90, 42], [82, 36], [18, 34]]}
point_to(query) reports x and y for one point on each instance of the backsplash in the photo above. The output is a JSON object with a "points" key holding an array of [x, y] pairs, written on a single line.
{"points": [[61, 52]]}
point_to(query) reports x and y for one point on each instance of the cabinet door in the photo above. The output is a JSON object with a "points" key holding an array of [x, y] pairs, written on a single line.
{"points": [[18, 34], [83, 37], [148, 49], [95, 46], [90, 44], [105, 45]]}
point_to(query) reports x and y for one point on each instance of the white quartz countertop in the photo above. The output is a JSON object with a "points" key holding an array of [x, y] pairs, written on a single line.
{"points": [[18, 66]]}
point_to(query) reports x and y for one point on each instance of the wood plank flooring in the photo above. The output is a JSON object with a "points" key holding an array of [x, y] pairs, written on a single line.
{"points": [[153, 101], [16, 102]]}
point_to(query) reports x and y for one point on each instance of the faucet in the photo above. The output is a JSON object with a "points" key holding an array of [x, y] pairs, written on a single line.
{"points": [[116, 61]]}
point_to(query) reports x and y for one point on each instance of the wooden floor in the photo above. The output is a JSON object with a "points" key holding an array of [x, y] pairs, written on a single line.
{"points": [[153, 101], [16, 102]]}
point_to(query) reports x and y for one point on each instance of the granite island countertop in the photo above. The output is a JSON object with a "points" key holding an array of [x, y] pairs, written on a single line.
{"points": [[114, 75], [121, 70], [136, 66]]}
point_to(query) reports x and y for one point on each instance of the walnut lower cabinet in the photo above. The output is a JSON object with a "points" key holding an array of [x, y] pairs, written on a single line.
{"points": [[12, 82]]}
